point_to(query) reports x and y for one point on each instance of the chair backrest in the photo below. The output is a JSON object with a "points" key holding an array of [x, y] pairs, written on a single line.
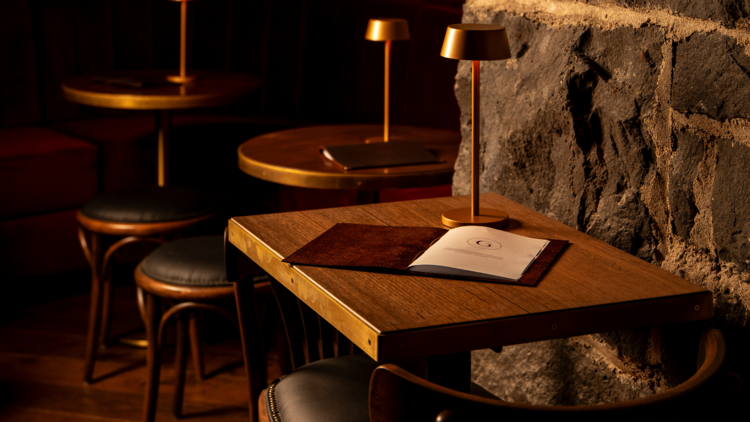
{"points": [[396, 395], [310, 337]]}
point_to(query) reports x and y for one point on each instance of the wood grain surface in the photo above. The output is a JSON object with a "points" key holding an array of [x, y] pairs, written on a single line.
{"points": [[592, 287], [41, 361]]}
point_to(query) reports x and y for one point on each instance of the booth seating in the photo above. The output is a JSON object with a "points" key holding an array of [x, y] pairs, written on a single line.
{"points": [[188, 275], [44, 176], [115, 219]]}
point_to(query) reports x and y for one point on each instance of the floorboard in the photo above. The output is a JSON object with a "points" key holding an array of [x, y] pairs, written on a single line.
{"points": [[41, 367]]}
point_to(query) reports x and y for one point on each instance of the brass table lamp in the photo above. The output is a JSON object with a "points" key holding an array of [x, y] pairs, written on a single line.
{"points": [[182, 78], [387, 29], [475, 42]]}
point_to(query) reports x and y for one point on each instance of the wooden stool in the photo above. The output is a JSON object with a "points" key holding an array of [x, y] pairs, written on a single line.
{"points": [[142, 215], [186, 273]]}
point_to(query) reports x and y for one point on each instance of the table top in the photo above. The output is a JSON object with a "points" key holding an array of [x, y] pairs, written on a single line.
{"points": [[292, 157], [591, 287], [210, 89]]}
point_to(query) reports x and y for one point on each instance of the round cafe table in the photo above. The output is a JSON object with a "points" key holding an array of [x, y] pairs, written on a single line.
{"points": [[292, 157], [149, 90]]}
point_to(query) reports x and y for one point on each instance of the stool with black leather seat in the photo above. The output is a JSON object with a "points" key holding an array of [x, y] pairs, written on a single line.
{"points": [[186, 275], [112, 220]]}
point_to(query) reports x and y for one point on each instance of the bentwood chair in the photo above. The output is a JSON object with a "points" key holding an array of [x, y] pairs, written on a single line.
{"points": [[330, 377], [177, 280], [399, 396], [112, 220], [327, 373]]}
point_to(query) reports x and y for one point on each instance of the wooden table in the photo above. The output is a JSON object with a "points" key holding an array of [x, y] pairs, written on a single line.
{"points": [[211, 89], [592, 287], [292, 157]]}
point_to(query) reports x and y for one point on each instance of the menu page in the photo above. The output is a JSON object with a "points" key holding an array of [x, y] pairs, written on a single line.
{"points": [[483, 252]]}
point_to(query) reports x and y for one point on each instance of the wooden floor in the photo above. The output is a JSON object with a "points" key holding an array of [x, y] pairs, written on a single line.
{"points": [[41, 367]]}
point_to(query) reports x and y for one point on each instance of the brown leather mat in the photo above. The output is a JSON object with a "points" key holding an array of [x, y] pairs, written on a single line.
{"points": [[389, 249]]}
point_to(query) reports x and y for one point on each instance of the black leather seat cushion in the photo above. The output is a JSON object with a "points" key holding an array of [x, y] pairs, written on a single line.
{"points": [[148, 205], [195, 261], [329, 390]]}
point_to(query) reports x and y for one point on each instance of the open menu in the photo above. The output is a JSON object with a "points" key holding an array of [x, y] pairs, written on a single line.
{"points": [[466, 253], [480, 252]]}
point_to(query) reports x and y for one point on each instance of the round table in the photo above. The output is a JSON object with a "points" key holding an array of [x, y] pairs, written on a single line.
{"points": [[149, 90], [292, 157]]}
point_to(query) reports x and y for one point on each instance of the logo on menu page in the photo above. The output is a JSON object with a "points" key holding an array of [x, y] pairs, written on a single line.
{"points": [[485, 244]]}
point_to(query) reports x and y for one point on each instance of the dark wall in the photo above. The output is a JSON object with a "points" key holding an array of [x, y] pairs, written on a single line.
{"points": [[311, 56]]}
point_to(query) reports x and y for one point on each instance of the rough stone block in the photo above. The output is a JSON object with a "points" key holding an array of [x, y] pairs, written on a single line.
{"points": [[562, 125], [726, 12], [731, 203], [711, 77], [637, 134], [684, 165], [557, 372]]}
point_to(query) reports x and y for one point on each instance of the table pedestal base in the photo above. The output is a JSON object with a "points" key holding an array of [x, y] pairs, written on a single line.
{"points": [[381, 139], [179, 79], [487, 217]]}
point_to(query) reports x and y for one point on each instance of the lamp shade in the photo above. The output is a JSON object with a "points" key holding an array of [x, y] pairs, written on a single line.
{"points": [[387, 29], [473, 41]]}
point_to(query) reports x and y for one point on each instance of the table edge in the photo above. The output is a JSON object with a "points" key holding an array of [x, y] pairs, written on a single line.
{"points": [[137, 102], [349, 323], [341, 180], [412, 343], [320, 180]]}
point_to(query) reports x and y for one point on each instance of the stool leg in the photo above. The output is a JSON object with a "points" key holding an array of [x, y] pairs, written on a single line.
{"points": [[196, 347], [106, 318], [153, 356], [94, 254], [180, 363]]}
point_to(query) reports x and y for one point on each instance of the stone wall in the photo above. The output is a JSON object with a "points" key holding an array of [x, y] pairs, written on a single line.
{"points": [[628, 120]]}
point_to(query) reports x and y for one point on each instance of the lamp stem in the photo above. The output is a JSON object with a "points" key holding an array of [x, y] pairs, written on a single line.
{"points": [[475, 116], [183, 39], [386, 128]]}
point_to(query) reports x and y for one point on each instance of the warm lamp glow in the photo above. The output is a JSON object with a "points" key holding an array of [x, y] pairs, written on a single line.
{"points": [[475, 42], [387, 29], [472, 41]]}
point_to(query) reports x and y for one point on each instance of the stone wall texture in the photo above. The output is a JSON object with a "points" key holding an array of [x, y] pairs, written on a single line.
{"points": [[630, 121]]}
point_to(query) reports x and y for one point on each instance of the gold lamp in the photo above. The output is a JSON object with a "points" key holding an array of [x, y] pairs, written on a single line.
{"points": [[182, 78], [387, 29], [475, 42]]}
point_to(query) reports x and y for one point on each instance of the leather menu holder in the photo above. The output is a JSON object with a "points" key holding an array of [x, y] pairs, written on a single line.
{"points": [[378, 154], [389, 249]]}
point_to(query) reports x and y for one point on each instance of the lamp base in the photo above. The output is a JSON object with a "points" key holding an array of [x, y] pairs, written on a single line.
{"points": [[177, 79], [380, 139], [487, 217]]}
